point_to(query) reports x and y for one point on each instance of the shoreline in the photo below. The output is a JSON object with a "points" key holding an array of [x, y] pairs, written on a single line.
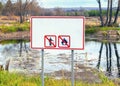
{"points": [[99, 36], [15, 35]]}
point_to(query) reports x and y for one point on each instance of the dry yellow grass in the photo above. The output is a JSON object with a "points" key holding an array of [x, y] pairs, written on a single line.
{"points": [[7, 20], [118, 20], [95, 21], [92, 21]]}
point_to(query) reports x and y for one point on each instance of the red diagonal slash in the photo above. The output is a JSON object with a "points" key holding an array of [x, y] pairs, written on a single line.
{"points": [[50, 41], [67, 44]]}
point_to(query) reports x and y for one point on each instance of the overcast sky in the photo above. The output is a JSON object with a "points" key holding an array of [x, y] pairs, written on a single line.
{"points": [[69, 3]]}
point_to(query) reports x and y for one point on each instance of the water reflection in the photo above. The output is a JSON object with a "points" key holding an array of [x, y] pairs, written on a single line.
{"points": [[28, 59], [22, 47], [109, 54], [11, 48], [118, 58]]}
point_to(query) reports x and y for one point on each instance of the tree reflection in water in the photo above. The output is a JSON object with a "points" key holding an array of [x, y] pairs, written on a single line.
{"points": [[118, 58], [109, 57], [22, 47], [10, 50]]}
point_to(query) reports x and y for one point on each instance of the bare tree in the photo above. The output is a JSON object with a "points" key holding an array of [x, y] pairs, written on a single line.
{"points": [[107, 14], [110, 14], [109, 17], [8, 8], [22, 8], [34, 8], [117, 11], [100, 9], [118, 58], [58, 12]]}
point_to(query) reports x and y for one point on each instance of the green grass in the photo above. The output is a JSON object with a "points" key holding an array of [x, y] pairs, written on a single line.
{"points": [[94, 29], [109, 28], [6, 42], [13, 79], [15, 27]]}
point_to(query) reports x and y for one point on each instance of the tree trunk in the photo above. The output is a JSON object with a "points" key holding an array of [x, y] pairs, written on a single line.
{"points": [[107, 14], [100, 10], [21, 19], [110, 16], [117, 11], [20, 11]]}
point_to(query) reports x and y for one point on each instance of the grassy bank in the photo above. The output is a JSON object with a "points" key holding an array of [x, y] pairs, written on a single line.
{"points": [[14, 27], [94, 29], [6, 42], [13, 79]]}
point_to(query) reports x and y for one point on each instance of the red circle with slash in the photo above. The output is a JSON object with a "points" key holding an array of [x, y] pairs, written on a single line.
{"points": [[65, 40], [52, 42]]}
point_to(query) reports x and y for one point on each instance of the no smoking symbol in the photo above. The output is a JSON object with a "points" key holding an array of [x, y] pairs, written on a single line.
{"points": [[50, 41], [63, 41]]}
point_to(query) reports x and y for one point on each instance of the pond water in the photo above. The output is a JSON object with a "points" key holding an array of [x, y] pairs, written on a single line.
{"points": [[104, 56]]}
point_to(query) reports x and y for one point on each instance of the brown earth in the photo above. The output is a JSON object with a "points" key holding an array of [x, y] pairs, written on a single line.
{"points": [[82, 73], [15, 35]]}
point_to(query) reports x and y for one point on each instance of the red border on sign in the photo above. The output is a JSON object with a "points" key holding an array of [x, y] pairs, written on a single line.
{"points": [[60, 38], [73, 17], [53, 43]]}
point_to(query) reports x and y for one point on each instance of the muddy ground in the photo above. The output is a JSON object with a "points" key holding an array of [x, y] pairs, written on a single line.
{"points": [[15, 35]]}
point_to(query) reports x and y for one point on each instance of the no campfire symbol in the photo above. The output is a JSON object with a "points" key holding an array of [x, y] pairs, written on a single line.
{"points": [[63, 41], [50, 41]]}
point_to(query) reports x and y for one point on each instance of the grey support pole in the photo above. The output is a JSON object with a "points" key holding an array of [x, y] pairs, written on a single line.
{"points": [[72, 67], [42, 64]]}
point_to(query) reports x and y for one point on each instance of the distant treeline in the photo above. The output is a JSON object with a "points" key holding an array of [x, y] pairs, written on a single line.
{"points": [[19, 8], [96, 13], [33, 8], [80, 12]]}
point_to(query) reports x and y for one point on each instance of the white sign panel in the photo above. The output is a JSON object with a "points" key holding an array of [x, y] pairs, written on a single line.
{"points": [[57, 32]]}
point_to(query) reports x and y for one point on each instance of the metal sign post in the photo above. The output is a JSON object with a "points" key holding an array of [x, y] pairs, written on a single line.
{"points": [[42, 64], [72, 67]]}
